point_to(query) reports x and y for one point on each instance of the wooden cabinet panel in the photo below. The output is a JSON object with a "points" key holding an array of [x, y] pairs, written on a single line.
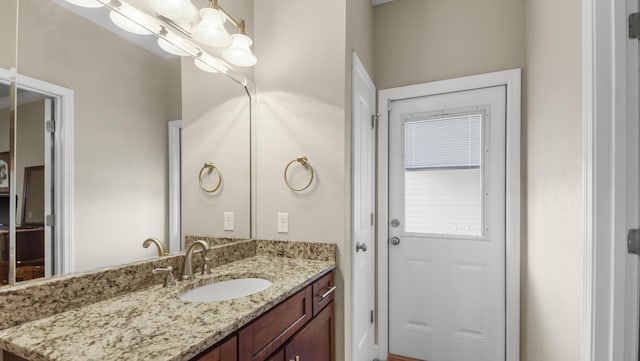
{"points": [[323, 287], [278, 356], [228, 351], [315, 341], [271, 330]]}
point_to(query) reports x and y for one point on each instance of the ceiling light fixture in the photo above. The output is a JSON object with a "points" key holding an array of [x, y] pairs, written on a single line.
{"points": [[177, 10], [210, 64], [130, 19], [211, 31]]}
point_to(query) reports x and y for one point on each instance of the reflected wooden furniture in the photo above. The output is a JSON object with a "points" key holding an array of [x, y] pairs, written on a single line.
{"points": [[29, 254]]}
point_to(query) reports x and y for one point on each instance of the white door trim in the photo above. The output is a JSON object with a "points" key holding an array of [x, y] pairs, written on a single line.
{"points": [[63, 158], [175, 199], [510, 79], [610, 130]]}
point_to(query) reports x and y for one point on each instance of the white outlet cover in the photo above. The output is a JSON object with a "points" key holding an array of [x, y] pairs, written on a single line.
{"points": [[228, 221], [283, 222]]}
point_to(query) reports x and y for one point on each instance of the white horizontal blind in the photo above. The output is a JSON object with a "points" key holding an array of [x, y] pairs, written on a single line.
{"points": [[443, 143], [443, 179]]}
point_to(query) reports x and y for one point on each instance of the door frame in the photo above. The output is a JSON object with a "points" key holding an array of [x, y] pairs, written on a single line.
{"points": [[610, 181], [511, 79], [63, 159], [175, 186]]}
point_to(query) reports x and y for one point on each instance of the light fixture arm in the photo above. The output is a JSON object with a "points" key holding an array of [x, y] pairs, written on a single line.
{"points": [[239, 24]]}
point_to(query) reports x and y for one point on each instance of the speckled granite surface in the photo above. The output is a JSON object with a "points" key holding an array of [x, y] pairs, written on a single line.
{"points": [[154, 324], [41, 298]]}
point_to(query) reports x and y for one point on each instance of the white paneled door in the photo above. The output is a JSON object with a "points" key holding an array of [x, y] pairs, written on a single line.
{"points": [[447, 226], [363, 247]]}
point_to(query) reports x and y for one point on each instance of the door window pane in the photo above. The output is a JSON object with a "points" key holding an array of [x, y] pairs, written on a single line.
{"points": [[443, 175]]}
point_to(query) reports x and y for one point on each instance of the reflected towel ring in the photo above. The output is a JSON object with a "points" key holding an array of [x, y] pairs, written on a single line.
{"points": [[211, 167], [305, 163]]}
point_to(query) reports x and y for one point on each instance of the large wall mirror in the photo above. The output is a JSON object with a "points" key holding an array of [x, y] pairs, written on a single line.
{"points": [[118, 141]]}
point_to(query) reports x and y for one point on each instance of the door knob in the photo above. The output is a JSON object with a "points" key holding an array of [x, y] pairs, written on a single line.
{"points": [[361, 247], [395, 241]]}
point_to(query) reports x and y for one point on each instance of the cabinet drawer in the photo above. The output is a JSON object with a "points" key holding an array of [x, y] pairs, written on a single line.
{"points": [[227, 351], [323, 290], [267, 333]]}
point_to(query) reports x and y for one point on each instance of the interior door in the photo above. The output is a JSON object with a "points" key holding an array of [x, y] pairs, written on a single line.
{"points": [[447, 226], [363, 207]]}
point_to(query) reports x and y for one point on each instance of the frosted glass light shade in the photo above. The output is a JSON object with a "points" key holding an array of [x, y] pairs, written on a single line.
{"points": [[86, 3], [126, 24], [210, 30], [171, 48], [178, 10], [239, 52], [208, 63]]}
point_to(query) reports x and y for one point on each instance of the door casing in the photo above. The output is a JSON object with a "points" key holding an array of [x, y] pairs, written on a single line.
{"points": [[510, 79], [63, 159]]}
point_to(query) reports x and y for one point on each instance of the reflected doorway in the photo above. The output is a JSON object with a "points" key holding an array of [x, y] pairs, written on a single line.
{"points": [[33, 186]]}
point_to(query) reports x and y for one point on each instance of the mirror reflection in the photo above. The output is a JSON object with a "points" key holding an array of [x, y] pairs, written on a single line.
{"points": [[112, 132]]}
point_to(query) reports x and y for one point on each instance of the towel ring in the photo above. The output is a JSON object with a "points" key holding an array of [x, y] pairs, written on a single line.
{"points": [[211, 167], [305, 163]]}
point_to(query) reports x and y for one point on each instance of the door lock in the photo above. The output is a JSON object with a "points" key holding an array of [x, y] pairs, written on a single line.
{"points": [[361, 247], [395, 241]]}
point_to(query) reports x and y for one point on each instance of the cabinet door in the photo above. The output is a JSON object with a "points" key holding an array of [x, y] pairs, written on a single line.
{"points": [[278, 356], [315, 341], [270, 331], [225, 352]]}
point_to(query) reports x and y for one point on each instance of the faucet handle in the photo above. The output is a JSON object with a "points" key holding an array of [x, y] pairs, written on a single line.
{"points": [[206, 269], [169, 280]]}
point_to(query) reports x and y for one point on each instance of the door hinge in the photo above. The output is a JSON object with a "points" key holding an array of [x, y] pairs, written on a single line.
{"points": [[372, 219], [50, 220], [634, 26], [371, 316], [50, 126]]}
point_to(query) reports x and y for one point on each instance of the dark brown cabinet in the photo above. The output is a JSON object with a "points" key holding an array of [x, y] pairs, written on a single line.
{"points": [[315, 342], [301, 328], [227, 351]]}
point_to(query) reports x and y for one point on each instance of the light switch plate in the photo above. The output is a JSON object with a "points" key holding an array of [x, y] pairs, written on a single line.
{"points": [[283, 222], [228, 221]]}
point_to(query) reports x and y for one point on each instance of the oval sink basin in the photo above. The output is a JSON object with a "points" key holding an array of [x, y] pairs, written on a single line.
{"points": [[226, 290]]}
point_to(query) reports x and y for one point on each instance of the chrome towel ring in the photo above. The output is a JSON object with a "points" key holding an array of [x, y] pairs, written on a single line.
{"points": [[211, 167], [305, 163]]}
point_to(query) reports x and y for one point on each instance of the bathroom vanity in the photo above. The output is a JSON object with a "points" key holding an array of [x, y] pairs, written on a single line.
{"points": [[300, 328], [290, 320]]}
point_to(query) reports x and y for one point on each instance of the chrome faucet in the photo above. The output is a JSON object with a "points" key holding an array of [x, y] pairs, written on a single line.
{"points": [[187, 267], [147, 242]]}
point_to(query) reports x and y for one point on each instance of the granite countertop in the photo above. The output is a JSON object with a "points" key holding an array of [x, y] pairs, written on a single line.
{"points": [[154, 324]]}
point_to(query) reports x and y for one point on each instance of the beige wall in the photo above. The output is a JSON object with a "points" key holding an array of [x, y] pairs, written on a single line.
{"points": [[216, 128], [417, 41], [216, 115], [301, 111], [8, 33], [552, 276], [124, 96]]}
